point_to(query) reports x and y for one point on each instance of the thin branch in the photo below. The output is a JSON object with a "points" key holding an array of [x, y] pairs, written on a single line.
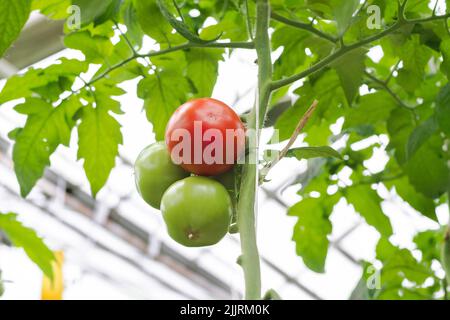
{"points": [[344, 50], [388, 79], [401, 10], [429, 19], [175, 4], [249, 22], [377, 178], [305, 26], [332, 57], [124, 36], [242, 45], [435, 8], [447, 232], [446, 26], [229, 45], [388, 90], [300, 126]]}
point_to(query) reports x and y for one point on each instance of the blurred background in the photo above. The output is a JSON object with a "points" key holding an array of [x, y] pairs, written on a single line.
{"points": [[116, 246]]}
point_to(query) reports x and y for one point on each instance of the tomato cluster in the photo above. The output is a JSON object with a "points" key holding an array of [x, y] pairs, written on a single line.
{"points": [[189, 177]]}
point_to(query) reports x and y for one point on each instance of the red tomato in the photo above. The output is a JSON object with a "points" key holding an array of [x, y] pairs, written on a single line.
{"points": [[205, 137]]}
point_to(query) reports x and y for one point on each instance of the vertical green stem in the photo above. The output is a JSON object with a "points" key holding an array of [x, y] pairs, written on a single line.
{"points": [[448, 202], [262, 45], [445, 253], [247, 206]]}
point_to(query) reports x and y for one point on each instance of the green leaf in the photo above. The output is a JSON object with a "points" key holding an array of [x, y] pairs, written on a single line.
{"points": [[95, 48], [343, 11], [427, 169], [21, 86], [415, 199], [443, 109], [132, 69], [54, 9], [13, 16], [293, 57], [39, 80], [202, 68], [312, 229], [350, 69], [420, 135], [163, 93], [430, 242], [373, 109], [130, 19], [367, 202], [445, 255], [445, 50], [153, 22], [400, 125], [26, 238], [327, 89], [97, 12], [104, 92], [99, 138], [45, 129], [415, 57], [232, 26], [313, 152], [399, 264], [179, 26]]}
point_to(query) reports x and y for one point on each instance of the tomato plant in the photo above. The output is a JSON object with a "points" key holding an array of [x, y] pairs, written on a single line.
{"points": [[154, 172], [197, 211], [369, 79], [206, 115]]}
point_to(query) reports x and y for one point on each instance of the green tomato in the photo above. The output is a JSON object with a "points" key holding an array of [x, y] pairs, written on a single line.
{"points": [[197, 211], [155, 172], [228, 180]]}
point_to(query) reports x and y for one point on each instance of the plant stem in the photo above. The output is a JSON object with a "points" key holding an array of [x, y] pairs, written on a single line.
{"points": [[263, 51], [125, 37], [445, 259], [302, 123], [332, 57], [248, 200], [384, 86], [346, 49], [392, 72], [231, 45], [447, 232], [300, 25], [249, 22]]}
